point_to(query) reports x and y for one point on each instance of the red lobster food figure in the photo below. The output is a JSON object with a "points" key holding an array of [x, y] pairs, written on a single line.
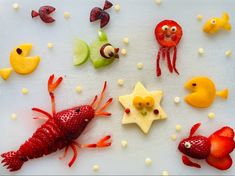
{"points": [[59, 131], [168, 34], [215, 149]]}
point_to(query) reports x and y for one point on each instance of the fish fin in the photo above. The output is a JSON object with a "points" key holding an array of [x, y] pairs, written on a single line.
{"points": [[194, 129], [12, 160], [227, 25], [223, 93], [34, 13], [5, 73], [188, 162], [220, 163]]}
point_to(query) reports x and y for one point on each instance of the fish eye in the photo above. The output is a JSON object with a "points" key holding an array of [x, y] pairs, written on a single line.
{"points": [[77, 110], [19, 51], [173, 29], [165, 28], [187, 145], [213, 21], [194, 84], [107, 51]]}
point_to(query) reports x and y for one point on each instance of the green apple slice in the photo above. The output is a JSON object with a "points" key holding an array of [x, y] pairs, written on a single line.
{"points": [[81, 52]]}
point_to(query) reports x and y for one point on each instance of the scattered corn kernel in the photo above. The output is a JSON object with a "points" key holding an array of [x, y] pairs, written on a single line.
{"points": [[25, 91], [124, 143], [125, 40], [50, 45], [177, 100], [66, 15], [15, 6], [148, 161], [158, 2], [173, 137], [199, 17], [165, 173], [123, 51], [117, 7], [13, 116], [96, 168], [140, 66], [201, 51], [228, 53], [78, 89], [120, 82], [178, 127], [211, 115]]}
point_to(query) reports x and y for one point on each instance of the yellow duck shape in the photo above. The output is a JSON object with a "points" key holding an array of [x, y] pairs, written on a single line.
{"points": [[215, 24], [203, 92]]}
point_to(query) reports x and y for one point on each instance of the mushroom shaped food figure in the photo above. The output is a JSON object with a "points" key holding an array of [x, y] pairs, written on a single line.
{"points": [[168, 34], [100, 52]]}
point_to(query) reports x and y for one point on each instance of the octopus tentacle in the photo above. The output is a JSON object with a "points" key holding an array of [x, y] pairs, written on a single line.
{"points": [[158, 69], [174, 60], [169, 60]]}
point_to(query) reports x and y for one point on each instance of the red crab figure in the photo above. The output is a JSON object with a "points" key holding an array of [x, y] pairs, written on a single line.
{"points": [[59, 131], [215, 149], [168, 34]]}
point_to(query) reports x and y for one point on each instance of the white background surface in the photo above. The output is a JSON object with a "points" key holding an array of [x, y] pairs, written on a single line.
{"points": [[136, 20]]}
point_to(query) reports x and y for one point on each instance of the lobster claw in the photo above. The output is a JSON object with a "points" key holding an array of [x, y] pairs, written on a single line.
{"points": [[53, 85]]}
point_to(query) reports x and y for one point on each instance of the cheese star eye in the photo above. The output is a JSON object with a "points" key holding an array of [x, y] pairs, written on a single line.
{"points": [[149, 102], [138, 102]]}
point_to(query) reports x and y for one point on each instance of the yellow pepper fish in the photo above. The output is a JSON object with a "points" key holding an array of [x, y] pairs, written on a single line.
{"points": [[203, 92], [214, 24]]}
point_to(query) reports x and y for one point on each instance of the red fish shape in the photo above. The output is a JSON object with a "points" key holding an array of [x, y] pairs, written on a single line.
{"points": [[215, 149], [100, 14], [44, 13], [60, 130]]}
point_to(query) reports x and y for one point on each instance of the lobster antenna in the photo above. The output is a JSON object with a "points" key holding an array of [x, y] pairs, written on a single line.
{"points": [[101, 96]]}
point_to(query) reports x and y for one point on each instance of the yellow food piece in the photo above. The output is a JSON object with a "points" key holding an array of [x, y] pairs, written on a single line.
{"points": [[215, 24], [149, 102], [142, 117], [138, 102], [22, 63], [203, 92], [5, 73]]}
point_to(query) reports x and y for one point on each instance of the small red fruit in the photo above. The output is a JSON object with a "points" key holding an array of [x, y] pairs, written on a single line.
{"points": [[107, 5]]}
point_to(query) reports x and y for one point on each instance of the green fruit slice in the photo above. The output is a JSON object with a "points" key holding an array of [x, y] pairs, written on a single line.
{"points": [[81, 52], [95, 56], [102, 35]]}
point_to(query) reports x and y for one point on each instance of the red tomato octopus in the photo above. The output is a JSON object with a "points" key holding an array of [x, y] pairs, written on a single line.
{"points": [[168, 34]]}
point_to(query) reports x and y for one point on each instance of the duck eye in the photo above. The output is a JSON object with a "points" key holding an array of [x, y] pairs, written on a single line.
{"points": [[194, 84], [187, 145], [138, 102], [77, 110], [107, 51], [173, 29], [213, 21], [149, 102], [165, 28]]}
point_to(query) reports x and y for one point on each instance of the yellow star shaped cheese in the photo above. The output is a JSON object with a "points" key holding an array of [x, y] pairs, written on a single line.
{"points": [[143, 116]]}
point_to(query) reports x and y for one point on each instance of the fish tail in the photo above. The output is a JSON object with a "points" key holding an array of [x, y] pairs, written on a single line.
{"points": [[5, 73], [34, 13], [223, 93], [226, 25], [12, 160]]}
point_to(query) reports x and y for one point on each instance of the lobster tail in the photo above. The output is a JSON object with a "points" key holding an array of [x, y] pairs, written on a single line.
{"points": [[12, 160]]}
